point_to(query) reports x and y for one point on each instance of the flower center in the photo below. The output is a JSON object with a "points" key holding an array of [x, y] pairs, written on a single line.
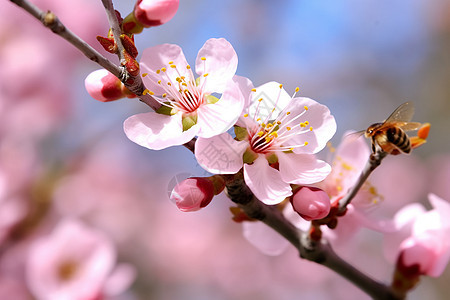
{"points": [[273, 135], [182, 91], [67, 270]]}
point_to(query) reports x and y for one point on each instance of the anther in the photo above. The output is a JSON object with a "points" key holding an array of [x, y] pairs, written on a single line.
{"points": [[144, 74], [204, 75], [253, 90], [145, 92], [305, 107], [203, 58]]}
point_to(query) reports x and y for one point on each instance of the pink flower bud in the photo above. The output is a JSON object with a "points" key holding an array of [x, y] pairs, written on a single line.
{"points": [[104, 86], [311, 203], [193, 193], [155, 12]]}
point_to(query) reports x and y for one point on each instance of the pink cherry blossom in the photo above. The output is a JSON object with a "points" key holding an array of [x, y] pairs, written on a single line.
{"points": [[73, 262], [421, 237], [275, 139], [188, 105]]}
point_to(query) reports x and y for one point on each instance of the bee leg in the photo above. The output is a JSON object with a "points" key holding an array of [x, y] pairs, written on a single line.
{"points": [[374, 149]]}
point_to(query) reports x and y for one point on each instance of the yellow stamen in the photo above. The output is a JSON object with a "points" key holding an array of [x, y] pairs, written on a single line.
{"points": [[144, 74], [173, 66], [145, 92], [306, 143], [275, 134], [288, 113], [281, 86], [260, 99], [245, 115], [278, 122], [206, 74], [164, 95], [260, 133], [169, 84], [159, 81], [170, 62], [188, 67], [158, 71], [203, 58], [310, 128], [163, 69], [297, 89], [288, 128], [253, 90], [306, 107]]}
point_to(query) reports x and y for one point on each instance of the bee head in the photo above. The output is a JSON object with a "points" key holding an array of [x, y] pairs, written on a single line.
{"points": [[371, 129]]}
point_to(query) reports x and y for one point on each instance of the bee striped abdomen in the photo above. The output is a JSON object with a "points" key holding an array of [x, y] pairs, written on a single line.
{"points": [[399, 138]]}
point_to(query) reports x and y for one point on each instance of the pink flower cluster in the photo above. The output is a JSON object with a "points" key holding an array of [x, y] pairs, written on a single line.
{"points": [[276, 135]]}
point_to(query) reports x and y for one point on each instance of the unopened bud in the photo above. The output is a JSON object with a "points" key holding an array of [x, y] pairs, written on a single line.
{"points": [[311, 203], [104, 86], [193, 193], [155, 12]]}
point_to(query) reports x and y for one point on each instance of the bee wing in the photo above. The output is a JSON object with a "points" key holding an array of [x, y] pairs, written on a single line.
{"points": [[407, 126], [353, 136], [403, 113]]}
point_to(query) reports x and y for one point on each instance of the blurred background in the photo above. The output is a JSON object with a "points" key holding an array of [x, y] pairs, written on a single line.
{"points": [[64, 155]]}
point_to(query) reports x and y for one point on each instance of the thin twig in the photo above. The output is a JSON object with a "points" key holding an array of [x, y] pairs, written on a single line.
{"points": [[373, 162], [49, 20], [133, 83], [319, 252]]}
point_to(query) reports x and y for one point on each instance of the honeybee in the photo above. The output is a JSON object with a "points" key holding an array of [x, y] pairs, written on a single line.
{"points": [[390, 135]]}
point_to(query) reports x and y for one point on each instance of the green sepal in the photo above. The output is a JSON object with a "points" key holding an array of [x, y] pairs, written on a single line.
{"points": [[249, 156], [272, 159], [165, 110], [189, 121], [210, 99], [240, 132]]}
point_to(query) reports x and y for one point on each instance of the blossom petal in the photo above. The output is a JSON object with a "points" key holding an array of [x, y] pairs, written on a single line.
{"points": [[302, 168], [318, 118], [220, 154], [157, 57], [219, 66], [274, 100], [214, 119], [263, 237], [156, 131], [266, 182]]}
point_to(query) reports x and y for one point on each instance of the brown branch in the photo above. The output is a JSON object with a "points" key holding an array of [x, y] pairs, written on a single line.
{"points": [[133, 83], [319, 252], [373, 162], [49, 20]]}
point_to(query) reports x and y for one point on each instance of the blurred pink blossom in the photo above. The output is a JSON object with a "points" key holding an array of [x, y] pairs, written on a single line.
{"points": [[74, 262], [421, 238]]}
